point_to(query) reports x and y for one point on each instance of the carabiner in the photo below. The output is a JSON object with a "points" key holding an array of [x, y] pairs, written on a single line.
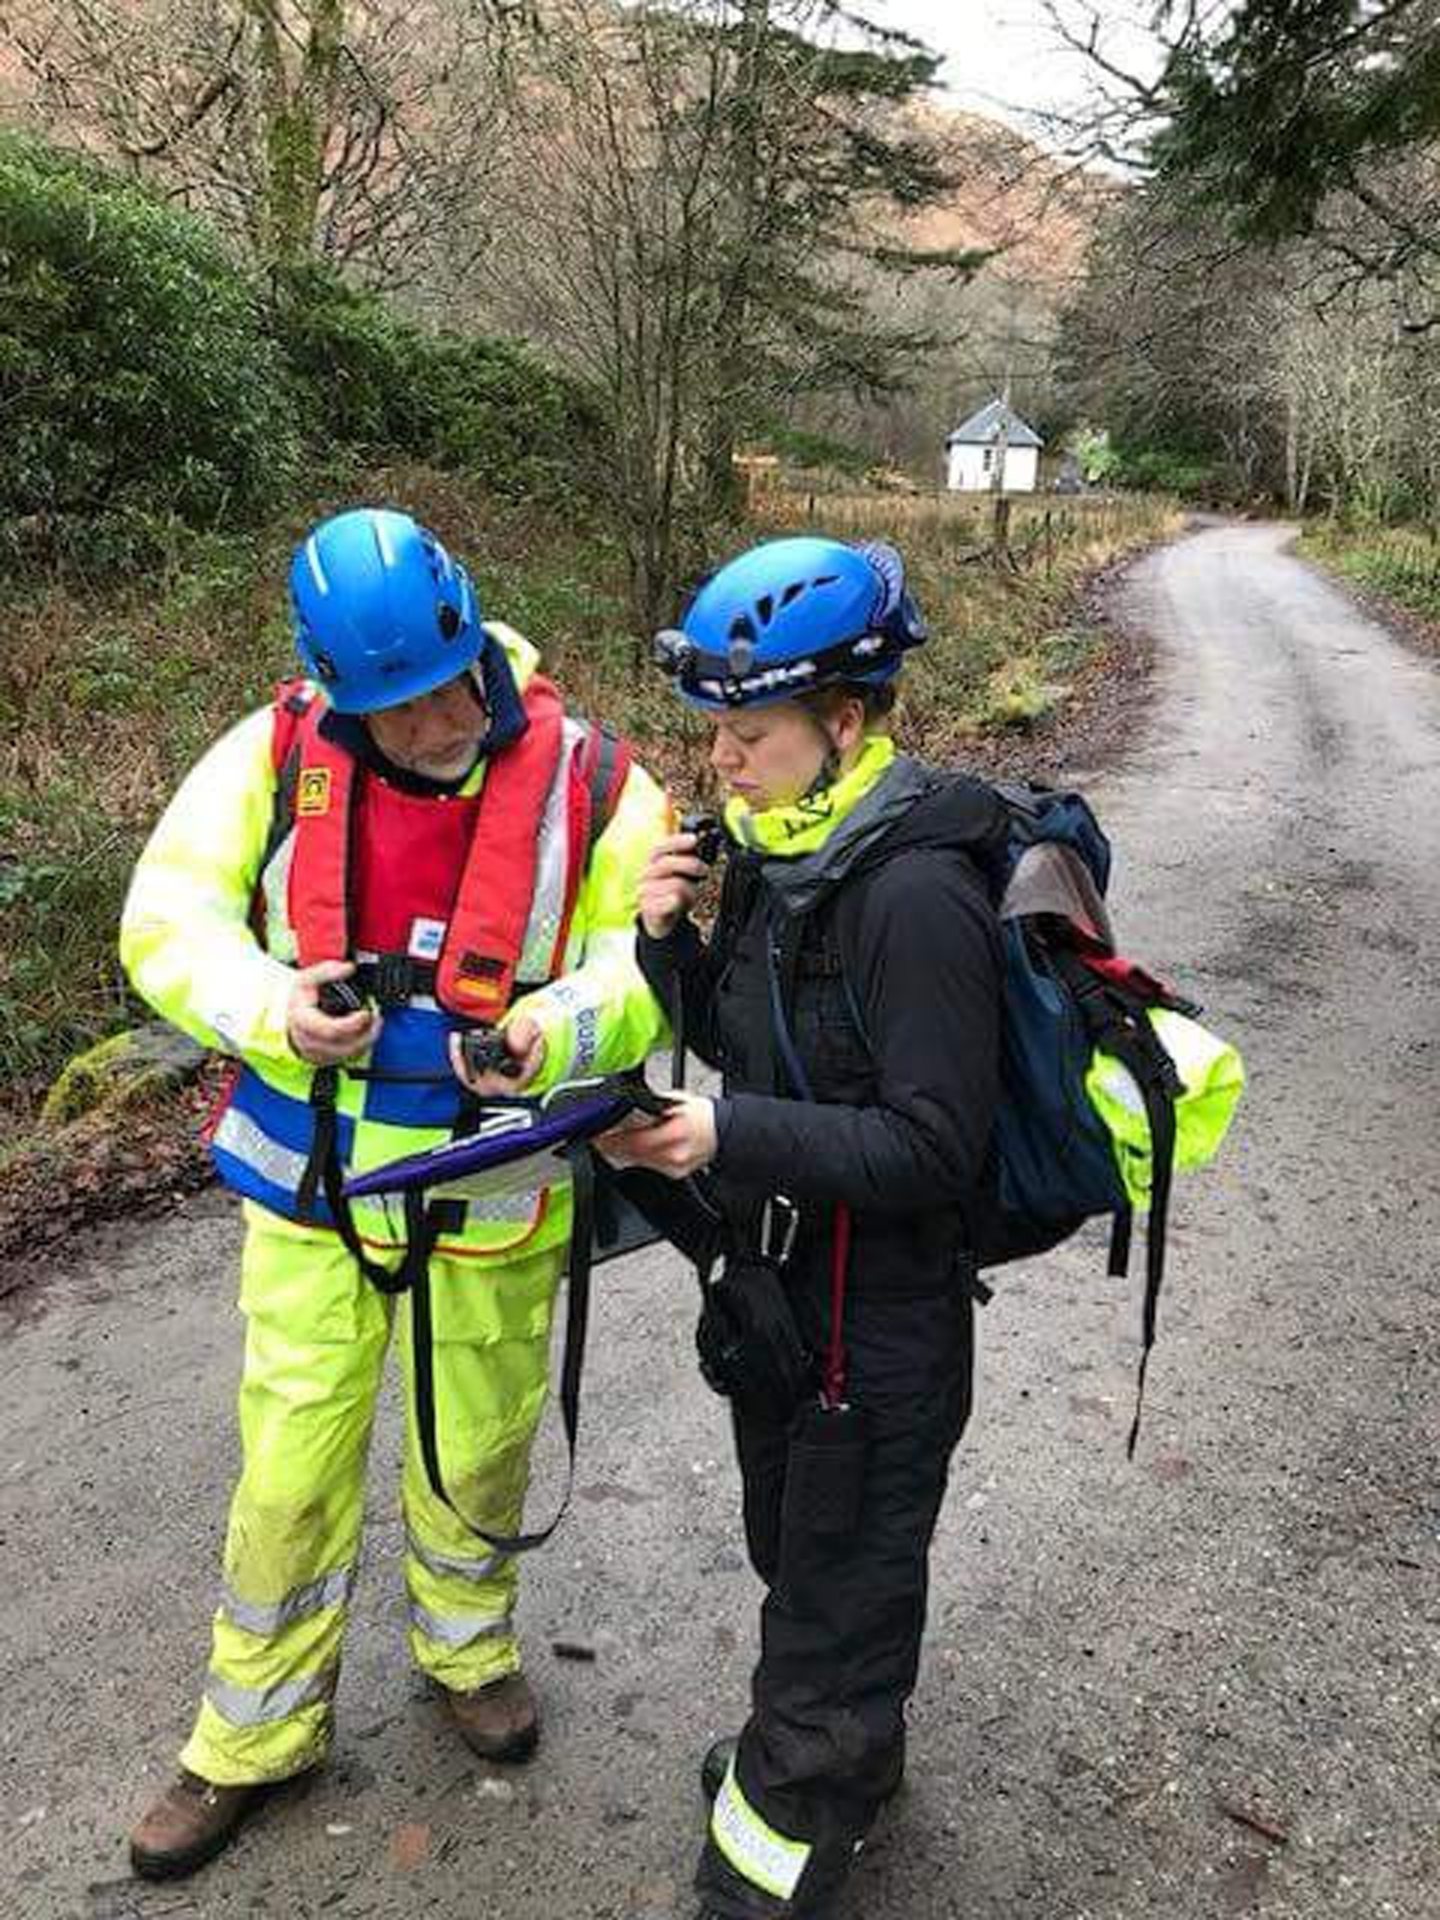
{"points": [[778, 1208]]}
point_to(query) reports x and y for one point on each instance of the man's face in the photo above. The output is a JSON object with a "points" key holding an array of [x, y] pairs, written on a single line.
{"points": [[436, 735]]}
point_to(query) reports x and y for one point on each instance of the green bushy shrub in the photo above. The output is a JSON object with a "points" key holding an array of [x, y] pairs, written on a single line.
{"points": [[137, 387], [362, 373], [1168, 470], [375, 381]]}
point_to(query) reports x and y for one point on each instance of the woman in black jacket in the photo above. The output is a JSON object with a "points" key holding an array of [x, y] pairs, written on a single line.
{"points": [[850, 996]]}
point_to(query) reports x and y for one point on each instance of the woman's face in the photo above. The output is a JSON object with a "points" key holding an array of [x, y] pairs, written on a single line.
{"points": [[769, 756]]}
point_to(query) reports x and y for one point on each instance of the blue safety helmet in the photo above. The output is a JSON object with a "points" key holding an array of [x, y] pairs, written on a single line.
{"points": [[382, 613], [789, 616]]}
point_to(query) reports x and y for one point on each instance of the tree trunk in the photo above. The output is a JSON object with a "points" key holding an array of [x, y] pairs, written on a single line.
{"points": [[1292, 455], [720, 480], [297, 102]]}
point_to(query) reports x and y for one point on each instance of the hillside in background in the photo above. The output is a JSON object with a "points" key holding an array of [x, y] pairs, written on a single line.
{"points": [[1037, 214], [1012, 195]]}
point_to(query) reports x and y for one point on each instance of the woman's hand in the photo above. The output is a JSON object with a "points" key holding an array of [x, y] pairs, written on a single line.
{"points": [[326, 1039], [670, 884], [680, 1144], [526, 1044]]}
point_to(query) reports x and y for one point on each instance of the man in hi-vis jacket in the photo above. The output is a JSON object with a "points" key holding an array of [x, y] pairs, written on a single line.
{"points": [[419, 829]]}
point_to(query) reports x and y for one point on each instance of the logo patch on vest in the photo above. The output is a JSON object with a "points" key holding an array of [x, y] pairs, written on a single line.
{"points": [[480, 981], [312, 794], [480, 966], [426, 939]]}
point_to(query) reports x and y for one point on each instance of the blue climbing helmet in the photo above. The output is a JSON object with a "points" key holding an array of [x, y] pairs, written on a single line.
{"points": [[382, 613], [791, 615]]}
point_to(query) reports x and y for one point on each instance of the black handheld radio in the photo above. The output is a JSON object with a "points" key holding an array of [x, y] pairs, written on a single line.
{"points": [[709, 835]]}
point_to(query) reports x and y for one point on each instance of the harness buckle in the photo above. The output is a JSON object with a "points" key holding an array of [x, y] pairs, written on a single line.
{"points": [[392, 979]]}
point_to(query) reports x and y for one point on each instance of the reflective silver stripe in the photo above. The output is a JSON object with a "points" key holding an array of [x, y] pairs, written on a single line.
{"points": [[275, 885], [258, 1706], [552, 866], [330, 1590], [237, 1133], [449, 1565], [380, 1226], [463, 1628], [759, 1854]]}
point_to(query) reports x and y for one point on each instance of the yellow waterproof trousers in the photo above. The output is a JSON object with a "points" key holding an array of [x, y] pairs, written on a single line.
{"points": [[316, 1339]]}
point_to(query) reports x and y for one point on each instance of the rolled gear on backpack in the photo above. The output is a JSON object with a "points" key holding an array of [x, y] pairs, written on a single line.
{"points": [[1213, 1078]]}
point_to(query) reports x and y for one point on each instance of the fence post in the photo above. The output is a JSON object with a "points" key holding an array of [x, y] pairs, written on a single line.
{"points": [[1000, 532]]}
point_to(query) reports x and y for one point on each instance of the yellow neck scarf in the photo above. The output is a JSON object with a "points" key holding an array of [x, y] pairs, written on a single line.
{"points": [[802, 825]]}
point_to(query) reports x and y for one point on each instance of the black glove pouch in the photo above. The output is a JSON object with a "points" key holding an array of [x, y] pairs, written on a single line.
{"points": [[825, 1471], [749, 1342]]}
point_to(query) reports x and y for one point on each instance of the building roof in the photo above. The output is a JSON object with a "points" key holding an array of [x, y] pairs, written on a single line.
{"points": [[982, 429]]}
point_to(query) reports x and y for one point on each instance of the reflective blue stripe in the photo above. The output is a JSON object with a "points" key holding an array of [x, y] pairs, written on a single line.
{"points": [[260, 1139]]}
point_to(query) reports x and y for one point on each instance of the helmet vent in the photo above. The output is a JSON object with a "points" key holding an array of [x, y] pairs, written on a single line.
{"points": [[765, 607], [448, 619], [792, 592]]}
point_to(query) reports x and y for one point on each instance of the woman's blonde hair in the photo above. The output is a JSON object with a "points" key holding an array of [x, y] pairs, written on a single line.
{"points": [[878, 702]]}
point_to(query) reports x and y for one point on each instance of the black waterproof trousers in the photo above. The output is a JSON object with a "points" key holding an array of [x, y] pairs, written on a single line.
{"points": [[843, 1615]]}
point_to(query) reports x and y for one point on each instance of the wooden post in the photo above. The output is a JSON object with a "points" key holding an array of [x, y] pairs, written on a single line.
{"points": [[1000, 531]]}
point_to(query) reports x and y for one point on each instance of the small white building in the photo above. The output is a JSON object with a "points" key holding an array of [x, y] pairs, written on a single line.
{"points": [[973, 449]]}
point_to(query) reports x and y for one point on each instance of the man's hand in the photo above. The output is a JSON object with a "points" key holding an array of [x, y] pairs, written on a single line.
{"points": [[670, 883], [680, 1144], [323, 1039], [526, 1044]]}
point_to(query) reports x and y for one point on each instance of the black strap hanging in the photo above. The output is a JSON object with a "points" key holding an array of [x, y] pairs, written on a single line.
{"points": [[420, 1230], [323, 1170], [1121, 1027]]}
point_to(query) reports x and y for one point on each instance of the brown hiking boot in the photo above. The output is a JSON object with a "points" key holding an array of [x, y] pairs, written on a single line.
{"points": [[190, 1823], [499, 1722]]}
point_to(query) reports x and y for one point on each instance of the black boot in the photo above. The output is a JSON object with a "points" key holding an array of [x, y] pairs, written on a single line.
{"points": [[718, 1756], [716, 1764]]}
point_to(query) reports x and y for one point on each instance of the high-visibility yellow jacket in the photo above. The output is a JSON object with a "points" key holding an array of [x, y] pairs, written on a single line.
{"points": [[189, 942]]}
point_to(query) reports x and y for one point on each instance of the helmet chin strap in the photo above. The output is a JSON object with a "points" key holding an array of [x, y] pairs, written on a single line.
{"points": [[475, 680], [830, 767]]}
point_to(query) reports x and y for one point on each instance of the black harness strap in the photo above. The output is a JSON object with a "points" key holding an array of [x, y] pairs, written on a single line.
{"points": [[421, 1230], [323, 1168]]}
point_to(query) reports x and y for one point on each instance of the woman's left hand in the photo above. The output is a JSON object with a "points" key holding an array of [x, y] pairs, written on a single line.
{"points": [[680, 1144]]}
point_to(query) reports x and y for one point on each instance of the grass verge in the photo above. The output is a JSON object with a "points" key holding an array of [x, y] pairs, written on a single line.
{"points": [[1401, 564]]}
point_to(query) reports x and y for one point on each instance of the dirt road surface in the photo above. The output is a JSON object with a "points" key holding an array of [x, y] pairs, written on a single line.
{"points": [[1198, 1686]]}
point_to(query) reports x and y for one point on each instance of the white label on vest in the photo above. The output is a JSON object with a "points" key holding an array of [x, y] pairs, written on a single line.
{"points": [[426, 939]]}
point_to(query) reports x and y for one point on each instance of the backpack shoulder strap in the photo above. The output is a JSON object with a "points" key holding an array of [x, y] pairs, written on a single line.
{"points": [[293, 701], [604, 763]]}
